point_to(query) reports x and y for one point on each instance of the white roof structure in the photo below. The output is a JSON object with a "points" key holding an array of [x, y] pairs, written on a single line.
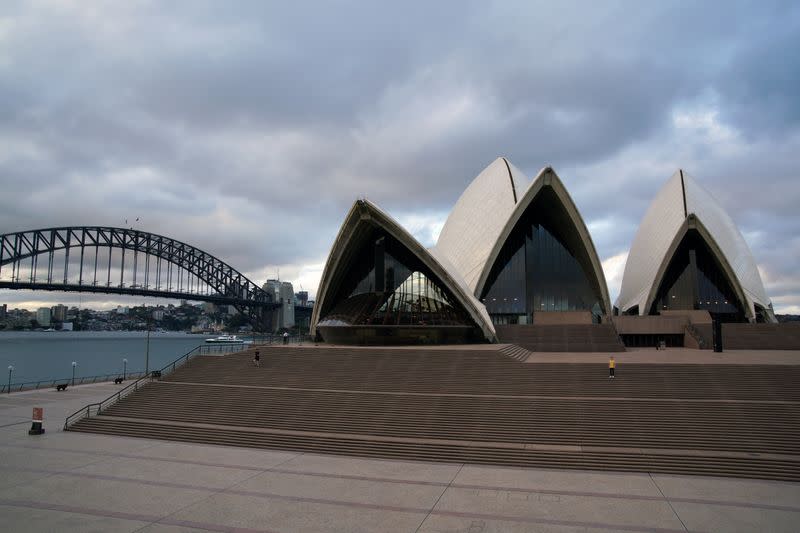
{"points": [[470, 242], [547, 177], [364, 216], [474, 225], [681, 205]]}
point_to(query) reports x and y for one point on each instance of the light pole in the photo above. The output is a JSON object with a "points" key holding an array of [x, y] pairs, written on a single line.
{"points": [[10, 370], [74, 364], [124, 368], [147, 351]]}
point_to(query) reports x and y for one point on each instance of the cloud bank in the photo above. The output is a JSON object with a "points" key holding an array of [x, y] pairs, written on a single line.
{"points": [[248, 129]]}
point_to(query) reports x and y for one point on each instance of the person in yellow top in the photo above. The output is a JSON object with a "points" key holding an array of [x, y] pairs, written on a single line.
{"points": [[611, 365]]}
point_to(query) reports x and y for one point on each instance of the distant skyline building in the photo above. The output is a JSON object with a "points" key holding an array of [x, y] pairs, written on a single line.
{"points": [[302, 298], [43, 316], [59, 313], [3, 311], [282, 292]]}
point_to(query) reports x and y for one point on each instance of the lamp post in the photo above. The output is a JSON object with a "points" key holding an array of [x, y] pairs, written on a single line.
{"points": [[74, 364], [10, 370], [124, 368], [147, 351]]}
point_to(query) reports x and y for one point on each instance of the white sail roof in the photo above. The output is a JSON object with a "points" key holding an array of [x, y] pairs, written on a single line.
{"points": [[680, 204], [547, 177], [479, 216], [365, 215]]}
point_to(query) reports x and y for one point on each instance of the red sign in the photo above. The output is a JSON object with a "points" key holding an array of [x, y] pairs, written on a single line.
{"points": [[37, 414]]}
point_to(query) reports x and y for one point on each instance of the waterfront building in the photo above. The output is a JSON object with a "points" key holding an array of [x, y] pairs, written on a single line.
{"points": [[523, 248], [43, 316], [689, 255], [287, 305], [272, 286], [381, 286], [59, 312], [3, 311], [515, 251], [282, 292]]}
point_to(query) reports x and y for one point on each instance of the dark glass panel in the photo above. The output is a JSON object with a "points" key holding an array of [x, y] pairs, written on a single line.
{"points": [[542, 266], [412, 295], [694, 279]]}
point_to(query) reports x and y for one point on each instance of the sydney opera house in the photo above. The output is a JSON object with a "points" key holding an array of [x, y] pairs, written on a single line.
{"points": [[515, 253]]}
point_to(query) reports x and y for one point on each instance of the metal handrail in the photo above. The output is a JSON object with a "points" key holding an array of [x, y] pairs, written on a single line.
{"points": [[203, 349], [694, 332], [275, 339], [34, 385]]}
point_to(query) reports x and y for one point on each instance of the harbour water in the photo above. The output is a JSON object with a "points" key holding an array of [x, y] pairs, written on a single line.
{"points": [[40, 355]]}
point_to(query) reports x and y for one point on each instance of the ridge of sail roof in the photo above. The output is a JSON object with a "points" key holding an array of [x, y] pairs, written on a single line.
{"points": [[681, 198], [730, 240], [478, 218], [547, 177], [365, 212], [656, 231]]}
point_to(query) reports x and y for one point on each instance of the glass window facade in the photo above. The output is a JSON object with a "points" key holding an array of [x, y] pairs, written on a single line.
{"points": [[388, 285], [694, 279], [543, 266]]}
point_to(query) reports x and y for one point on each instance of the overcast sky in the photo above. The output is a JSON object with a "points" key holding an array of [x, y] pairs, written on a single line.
{"points": [[248, 128]]}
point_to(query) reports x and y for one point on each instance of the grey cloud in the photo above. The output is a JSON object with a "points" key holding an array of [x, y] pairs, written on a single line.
{"points": [[248, 130], [760, 84]]}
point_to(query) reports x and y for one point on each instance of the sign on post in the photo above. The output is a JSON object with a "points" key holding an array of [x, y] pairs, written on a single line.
{"points": [[36, 421]]}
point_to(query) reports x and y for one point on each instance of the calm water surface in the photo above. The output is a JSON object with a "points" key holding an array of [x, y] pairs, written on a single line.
{"points": [[38, 355]]}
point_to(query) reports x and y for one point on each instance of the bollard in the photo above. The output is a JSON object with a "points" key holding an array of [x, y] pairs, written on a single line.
{"points": [[36, 421]]}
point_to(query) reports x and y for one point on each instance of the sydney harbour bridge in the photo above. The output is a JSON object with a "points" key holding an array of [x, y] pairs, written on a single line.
{"points": [[100, 259]]}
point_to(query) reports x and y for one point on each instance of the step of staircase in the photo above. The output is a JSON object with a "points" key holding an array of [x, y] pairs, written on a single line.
{"points": [[518, 353], [480, 406], [604, 459]]}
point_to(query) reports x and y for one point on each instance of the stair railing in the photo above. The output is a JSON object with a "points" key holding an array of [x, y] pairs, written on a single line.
{"points": [[51, 383], [94, 409], [694, 332]]}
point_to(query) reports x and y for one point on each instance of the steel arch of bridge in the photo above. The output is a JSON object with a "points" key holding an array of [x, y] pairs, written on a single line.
{"points": [[216, 281]]}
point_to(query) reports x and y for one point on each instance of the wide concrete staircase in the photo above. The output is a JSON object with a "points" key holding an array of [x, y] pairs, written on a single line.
{"points": [[562, 337], [478, 406]]}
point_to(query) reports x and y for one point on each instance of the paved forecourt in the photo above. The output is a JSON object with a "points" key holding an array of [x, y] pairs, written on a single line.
{"points": [[69, 481]]}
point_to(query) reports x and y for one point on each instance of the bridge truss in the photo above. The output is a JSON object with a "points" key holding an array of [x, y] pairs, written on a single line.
{"points": [[126, 261]]}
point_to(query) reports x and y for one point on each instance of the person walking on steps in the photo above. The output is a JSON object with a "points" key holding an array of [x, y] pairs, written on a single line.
{"points": [[257, 359], [611, 366]]}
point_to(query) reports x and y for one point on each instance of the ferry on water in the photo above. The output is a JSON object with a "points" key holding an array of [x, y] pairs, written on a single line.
{"points": [[227, 339]]}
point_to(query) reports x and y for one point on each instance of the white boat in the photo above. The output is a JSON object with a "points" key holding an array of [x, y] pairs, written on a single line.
{"points": [[226, 339]]}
